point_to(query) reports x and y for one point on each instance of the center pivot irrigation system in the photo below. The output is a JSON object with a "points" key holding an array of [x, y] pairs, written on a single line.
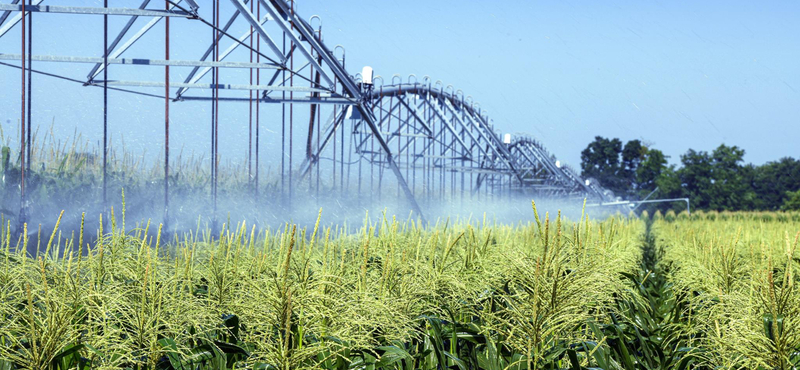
{"points": [[415, 139]]}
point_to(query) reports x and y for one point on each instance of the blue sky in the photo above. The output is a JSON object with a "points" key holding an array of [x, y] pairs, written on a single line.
{"points": [[676, 74]]}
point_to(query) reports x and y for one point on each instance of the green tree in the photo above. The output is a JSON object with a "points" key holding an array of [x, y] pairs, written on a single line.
{"points": [[792, 202], [629, 171], [669, 186], [715, 180], [601, 161], [772, 182], [729, 190], [695, 178], [649, 169], [632, 156], [615, 166]]}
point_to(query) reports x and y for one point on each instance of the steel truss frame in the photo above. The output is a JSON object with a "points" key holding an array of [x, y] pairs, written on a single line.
{"points": [[435, 143], [449, 148]]}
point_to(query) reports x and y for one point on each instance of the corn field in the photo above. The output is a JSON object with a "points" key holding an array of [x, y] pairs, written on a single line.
{"points": [[738, 274], [668, 292]]}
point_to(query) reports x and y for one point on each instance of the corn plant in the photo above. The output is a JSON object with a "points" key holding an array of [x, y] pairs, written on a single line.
{"points": [[389, 295]]}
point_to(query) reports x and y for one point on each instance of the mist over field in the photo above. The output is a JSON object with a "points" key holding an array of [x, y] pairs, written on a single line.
{"points": [[194, 212]]}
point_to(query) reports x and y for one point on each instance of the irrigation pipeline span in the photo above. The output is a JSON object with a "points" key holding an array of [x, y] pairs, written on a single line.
{"points": [[415, 139]]}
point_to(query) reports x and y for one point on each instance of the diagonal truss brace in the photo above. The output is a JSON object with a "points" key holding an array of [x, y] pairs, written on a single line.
{"points": [[15, 19], [250, 18], [310, 38], [117, 39], [125, 46], [193, 77]]}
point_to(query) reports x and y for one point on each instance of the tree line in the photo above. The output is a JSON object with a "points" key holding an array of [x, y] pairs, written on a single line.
{"points": [[717, 180]]}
